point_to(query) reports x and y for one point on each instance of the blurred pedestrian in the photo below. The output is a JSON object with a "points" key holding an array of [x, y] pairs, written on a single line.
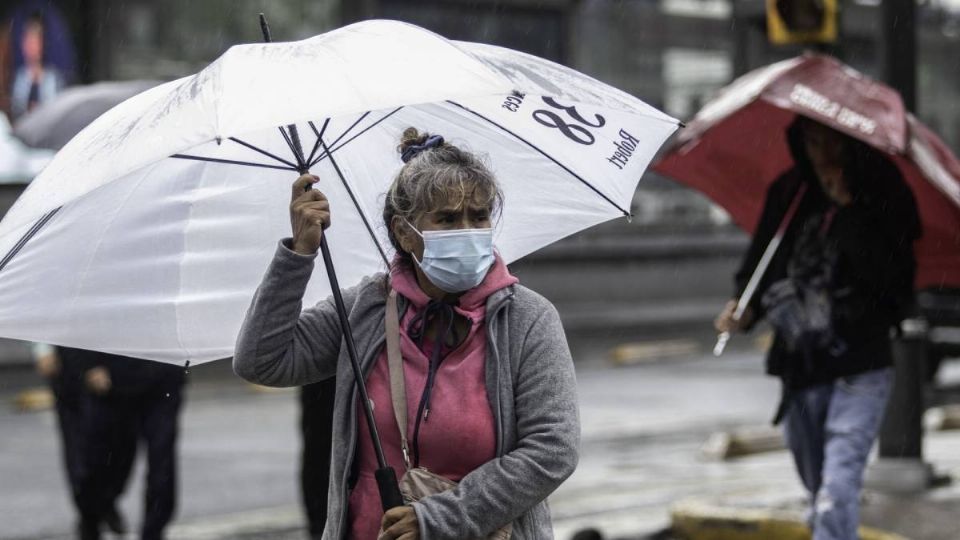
{"points": [[36, 81], [65, 370], [132, 400], [316, 425], [840, 282], [492, 397]]}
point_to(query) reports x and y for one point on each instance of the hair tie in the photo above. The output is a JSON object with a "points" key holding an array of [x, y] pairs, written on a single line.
{"points": [[411, 151]]}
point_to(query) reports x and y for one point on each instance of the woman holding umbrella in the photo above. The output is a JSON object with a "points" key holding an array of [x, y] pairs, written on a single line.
{"points": [[841, 279], [492, 400]]}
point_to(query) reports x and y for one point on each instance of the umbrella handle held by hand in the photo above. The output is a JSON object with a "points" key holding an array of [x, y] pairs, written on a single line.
{"points": [[390, 496], [722, 340]]}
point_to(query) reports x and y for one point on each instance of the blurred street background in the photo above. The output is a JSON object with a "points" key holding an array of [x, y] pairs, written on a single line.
{"points": [[652, 396]]}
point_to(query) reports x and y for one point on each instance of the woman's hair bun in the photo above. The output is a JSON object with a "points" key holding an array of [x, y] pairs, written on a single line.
{"points": [[411, 137]]}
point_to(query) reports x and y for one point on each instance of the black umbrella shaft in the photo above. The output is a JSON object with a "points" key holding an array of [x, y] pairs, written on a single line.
{"points": [[389, 488], [387, 485], [351, 349], [345, 326]]}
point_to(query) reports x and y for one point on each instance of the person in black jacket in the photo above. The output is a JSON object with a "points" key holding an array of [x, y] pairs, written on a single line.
{"points": [[130, 400], [840, 281], [65, 370], [316, 429]]}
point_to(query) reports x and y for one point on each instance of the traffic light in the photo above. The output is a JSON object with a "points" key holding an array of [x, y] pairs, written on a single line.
{"points": [[802, 21]]}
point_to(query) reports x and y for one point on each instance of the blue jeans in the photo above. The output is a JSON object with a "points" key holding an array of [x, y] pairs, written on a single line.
{"points": [[830, 430]]}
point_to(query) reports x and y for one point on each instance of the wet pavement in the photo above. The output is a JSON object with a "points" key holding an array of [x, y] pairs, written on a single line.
{"points": [[643, 426]]}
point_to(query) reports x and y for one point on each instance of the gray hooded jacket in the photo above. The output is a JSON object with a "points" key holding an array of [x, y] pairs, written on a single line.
{"points": [[529, 378]]}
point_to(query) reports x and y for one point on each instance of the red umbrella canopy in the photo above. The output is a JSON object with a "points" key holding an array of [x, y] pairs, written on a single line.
{"points": [[736, 147]]}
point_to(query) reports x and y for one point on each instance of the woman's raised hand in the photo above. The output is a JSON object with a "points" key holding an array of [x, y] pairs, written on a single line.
{"points": [[309, 215]]}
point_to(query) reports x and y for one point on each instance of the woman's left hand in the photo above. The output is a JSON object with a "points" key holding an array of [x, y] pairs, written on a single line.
{"points": [[400, 523]]}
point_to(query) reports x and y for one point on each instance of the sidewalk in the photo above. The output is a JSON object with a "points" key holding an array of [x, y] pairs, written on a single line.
{"points": [[751, 498], [637, 464], [925, 516], [626, 494]]}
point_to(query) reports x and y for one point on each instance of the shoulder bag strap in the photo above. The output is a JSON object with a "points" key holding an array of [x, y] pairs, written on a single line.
{"points": [[398, 389]]}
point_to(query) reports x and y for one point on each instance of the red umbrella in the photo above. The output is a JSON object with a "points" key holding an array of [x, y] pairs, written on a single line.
{"points": [[736, 147]]}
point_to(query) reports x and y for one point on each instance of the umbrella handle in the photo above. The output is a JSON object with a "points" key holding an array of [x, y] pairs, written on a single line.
{"points": [[389, 488], [722, 340]]}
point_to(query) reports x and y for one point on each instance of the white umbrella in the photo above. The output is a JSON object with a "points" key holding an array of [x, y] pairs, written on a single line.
{"points": [[148, 233]]}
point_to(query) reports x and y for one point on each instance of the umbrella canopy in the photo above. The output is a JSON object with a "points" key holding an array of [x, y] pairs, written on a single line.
{"points": [[736, 147], [54, 123], [148, 233]]}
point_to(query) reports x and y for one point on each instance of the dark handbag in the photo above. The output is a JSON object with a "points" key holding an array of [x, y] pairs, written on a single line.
{"points": [[802, 307], [801, 315]]}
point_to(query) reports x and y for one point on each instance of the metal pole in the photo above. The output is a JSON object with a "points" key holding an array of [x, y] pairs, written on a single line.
{"points": [[901, 435], [900, 49], [900, 466]]}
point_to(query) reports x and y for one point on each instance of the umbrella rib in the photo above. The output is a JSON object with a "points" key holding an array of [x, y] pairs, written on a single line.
{"points": [[546, 155], [319, 135], [264, 152], [366, 129], [232, 162], [297, 146], [356, 204], [27, 236], [296, 153], [342, 135]]}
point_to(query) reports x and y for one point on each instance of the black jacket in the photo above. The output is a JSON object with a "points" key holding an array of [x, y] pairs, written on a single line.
{"points": [[874, 267], [130, 377]]}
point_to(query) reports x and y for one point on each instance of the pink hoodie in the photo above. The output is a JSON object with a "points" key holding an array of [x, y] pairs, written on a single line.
{"points": [[459, 434]]}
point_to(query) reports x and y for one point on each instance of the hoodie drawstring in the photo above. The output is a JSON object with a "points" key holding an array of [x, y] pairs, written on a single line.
{"points": [[435, 310]]}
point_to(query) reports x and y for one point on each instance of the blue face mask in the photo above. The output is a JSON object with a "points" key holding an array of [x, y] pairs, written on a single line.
{"points": [[456, 260]]}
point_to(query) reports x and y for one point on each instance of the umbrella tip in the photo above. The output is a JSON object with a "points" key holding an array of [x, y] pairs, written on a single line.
{"points": [[681, 124], [186, 368], [264, 28]]}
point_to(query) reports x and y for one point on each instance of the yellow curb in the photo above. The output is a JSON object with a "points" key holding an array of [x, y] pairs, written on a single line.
{"points": [[942, 418], [742, 442], [261, 389], [630, 354], [33, 400], [696, 520]]}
